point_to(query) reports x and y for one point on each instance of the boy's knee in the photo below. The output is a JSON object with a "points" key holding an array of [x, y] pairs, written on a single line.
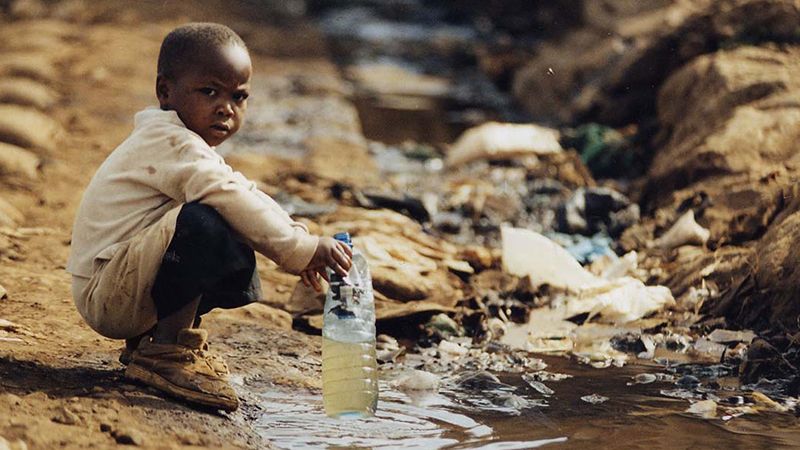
{"points": [[202, 221]]}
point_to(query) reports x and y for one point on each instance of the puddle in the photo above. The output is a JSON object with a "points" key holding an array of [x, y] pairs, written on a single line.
{"points": [[634, 416], [424, 421]]}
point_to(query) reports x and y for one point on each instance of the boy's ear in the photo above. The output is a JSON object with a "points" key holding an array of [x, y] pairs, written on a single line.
{"points": [[162, 90]]}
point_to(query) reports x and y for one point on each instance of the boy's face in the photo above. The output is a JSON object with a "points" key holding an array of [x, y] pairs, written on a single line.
{"points": [[210, 96]]}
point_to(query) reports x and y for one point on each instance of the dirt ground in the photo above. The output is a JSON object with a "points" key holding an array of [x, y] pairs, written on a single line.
{"points": [[60, 382]]}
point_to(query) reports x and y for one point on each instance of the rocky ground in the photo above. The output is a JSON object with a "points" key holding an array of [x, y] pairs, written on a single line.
{"points": [[693, 104]]}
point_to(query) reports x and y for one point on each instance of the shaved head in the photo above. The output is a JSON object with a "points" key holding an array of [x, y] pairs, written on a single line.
{"points": [[186, 45]]}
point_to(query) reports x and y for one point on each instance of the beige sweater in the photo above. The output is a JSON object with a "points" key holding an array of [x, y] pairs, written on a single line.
{"points": [[162, 165]]}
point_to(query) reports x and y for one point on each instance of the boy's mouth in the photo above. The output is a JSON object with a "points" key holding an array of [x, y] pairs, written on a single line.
{"points": [[221, 129]]}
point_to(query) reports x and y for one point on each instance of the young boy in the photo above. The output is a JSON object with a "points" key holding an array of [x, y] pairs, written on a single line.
{"points": [[166, 229]]}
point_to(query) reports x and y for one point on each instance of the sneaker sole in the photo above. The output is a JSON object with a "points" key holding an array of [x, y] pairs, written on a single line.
{"points": [[136, 373]]}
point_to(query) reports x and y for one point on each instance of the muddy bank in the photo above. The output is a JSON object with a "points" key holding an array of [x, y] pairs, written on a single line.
{"points": [[709, 89]]}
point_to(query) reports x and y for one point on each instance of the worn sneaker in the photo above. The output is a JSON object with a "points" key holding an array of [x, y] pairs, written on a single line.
{"points": [[182, 371]]}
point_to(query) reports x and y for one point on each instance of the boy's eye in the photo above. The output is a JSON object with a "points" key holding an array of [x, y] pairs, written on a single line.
{"points": [[208, 91], [240, 96]]}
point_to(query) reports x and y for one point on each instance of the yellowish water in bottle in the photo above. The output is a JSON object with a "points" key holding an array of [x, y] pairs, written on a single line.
{"points": [[349, 378]]}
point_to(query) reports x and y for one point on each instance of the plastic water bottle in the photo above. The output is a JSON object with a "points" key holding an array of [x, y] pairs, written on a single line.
{"points": [[349, 367]]}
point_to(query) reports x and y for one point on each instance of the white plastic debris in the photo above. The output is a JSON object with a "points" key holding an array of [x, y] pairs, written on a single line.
{"points": [[685, 231], [416, 380], [644, 378], [619, 302], [622, 266], [452, 349], [594, 399], [706, 409], [529, 253], [502, 140]]}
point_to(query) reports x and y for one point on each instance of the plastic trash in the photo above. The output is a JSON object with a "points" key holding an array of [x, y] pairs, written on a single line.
{"points": [[538, 386], [349, 366], [706, 409], [594, 399], [417, 380], [495, 140], [728, 336], [685, 231], [529, 253]]}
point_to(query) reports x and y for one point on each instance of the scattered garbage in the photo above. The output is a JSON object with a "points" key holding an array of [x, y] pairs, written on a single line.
{"points": [[644, 378], [527, 253], [594, 399], [706, 409], [537, 385], [494, 140], [594, 210], [728, 336], [685, 231], [605, 150], [417, 380]]}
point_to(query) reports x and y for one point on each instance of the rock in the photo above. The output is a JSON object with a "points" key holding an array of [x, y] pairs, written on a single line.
{"points": [[128, 436], [254, 313], [26, 92], [610, 76], [28, 128], [502, 141], [729, 336], [66, 417], [19, 161], [727, 113]]}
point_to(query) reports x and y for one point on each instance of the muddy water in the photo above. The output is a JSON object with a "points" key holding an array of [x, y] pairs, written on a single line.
{"points": [[636, 416]]}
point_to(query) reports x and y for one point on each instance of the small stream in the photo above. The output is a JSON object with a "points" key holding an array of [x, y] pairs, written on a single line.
{"points": [[635, 416]]}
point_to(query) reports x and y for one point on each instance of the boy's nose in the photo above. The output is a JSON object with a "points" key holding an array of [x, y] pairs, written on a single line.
{"points": [[225, 109]]}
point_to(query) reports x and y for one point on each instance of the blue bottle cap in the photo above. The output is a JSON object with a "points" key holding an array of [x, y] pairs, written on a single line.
{"points": [[344, 237]]}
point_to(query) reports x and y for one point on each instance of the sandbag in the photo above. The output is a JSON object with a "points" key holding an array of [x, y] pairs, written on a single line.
{"points": [[18, 161], [28, 65], [26, 92], [28, 128], [10, 216]]}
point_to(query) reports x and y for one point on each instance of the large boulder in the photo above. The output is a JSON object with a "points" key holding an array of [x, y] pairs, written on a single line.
{"points": [[729, 113], [611, 75], [764, 295]]}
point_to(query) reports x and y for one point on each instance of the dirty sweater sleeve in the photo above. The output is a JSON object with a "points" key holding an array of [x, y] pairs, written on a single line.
{"points": [[199, 174]]}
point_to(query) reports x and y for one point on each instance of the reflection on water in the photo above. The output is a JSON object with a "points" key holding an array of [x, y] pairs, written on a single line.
{"points": [[636, 416], [422, 421]]}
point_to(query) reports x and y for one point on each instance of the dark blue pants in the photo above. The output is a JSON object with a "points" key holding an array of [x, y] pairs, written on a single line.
{"points": [[206, 259]]}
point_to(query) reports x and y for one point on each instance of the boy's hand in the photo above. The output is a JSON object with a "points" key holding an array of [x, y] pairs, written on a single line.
{"points": [[329, 253]]}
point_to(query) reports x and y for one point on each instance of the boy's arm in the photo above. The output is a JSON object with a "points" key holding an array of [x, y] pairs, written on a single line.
{"points": [[204, 177]]}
